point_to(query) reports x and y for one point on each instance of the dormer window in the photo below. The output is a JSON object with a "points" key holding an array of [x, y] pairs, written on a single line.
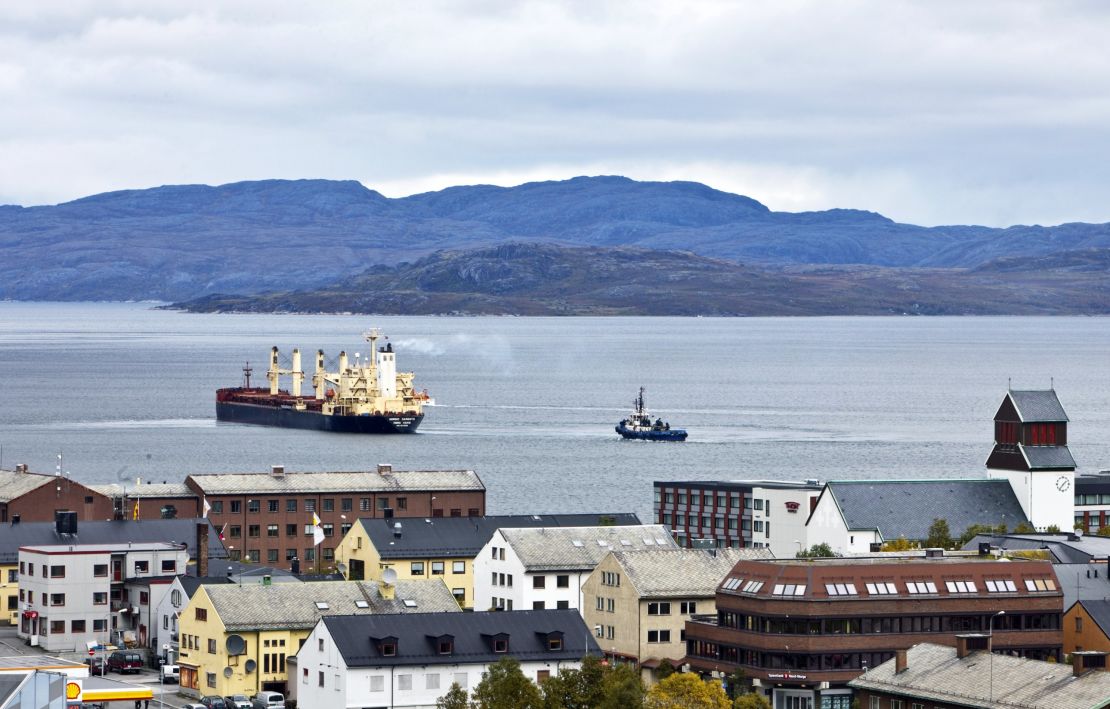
{"points": [[555, 643], [388, 649], [500, 645], [446, 646]]}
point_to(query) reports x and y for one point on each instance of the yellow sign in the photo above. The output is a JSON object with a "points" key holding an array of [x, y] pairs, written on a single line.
{"points": [[73, 690]]}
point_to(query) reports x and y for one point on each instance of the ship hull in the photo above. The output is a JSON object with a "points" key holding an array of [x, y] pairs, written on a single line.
{"points": [[674, 434], [281, 417]]}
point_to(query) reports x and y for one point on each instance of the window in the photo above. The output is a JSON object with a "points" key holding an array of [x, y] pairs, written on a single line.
{"points": [[271, 505], [874, 703], [57, 599], [235, 532], [310, 554], [254, 530], [960, 586], [210, 679], [77, 626], [329, 504], [431, 681], [290, 505], [500, 645], [271, 556], [290, 530], [144, 598], [1040, 585], [320, 678], [921, 587], [218, 507], [539, 581], [100, 625], [789, 589], [562, 605], [344, 528], [58, 572], [290, 554], [437, 568], [310, 505], [389, 649], [309, 530], [142, 567], [554, 643], [402, 503], [1078, 624], [562, 581], [377, 683], [404, 682], [661, 608], [364, 504], [201, 614], [236, 507], [659, 636], [1001, 586], [688, 607], [211, 646], [459, 594], [271, 530], [99, 570], [169, 566], [417, 568], [446, 646], [329, 529], [539, 605], [458, 567], [346, 504], [882, 588], [253, 506], [754, 587], [383, 502], [840, 589]]}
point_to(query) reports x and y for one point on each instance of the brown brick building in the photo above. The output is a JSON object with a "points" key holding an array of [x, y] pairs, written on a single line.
{"points": [[35, 497], [792, 625], [268, 518]]}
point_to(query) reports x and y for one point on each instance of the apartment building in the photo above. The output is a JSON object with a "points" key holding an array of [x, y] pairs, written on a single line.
{"points": [[802, 629], [412, 660], [543, 568], [736, 513], [268, 518], [73, 594]]}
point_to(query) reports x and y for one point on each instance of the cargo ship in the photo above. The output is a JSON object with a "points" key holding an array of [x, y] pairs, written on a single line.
{"points": [[640, 426], [366, 396]]}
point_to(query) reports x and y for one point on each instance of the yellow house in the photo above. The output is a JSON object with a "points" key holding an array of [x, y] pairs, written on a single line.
{"points": [[9, 592], [236, 639], [439, 547]]}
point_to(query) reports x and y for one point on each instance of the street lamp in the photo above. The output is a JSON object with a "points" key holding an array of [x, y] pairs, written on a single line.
{"points": [[990, 649]]}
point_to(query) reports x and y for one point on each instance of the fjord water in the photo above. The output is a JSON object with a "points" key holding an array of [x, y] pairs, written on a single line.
{"points": [[125, 391]]}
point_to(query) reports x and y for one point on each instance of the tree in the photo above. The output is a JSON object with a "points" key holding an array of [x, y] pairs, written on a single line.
{"points": [[621, 688], [977, 529], [1103, 531], [1052, 529], [817, 551], [575, 689], [687, 691], [737, 683], [456, 698], [899, 544], [939, 534], [1024, 528], [751, 701], [504, 686], [665, 669]]}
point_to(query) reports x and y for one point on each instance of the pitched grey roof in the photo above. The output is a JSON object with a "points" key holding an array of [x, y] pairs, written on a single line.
{"points": [[1048, 457], [14, 536], [144, 490], [289, 606], [418, 633], [581, 548], [674, 573], [934, 673], [1038, 406], [464, 536], [1099, 610], [305, 483], [13, 484], [906, 508]]}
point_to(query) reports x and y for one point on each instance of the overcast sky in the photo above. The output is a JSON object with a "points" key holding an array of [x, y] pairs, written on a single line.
{"points": [[931, 112]]}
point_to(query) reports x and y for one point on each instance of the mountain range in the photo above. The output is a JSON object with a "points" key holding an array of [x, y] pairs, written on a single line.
{"points": [[178, 243]]}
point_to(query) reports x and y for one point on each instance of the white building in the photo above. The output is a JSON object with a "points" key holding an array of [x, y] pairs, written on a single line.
{"points": [[412, 660], [71, 594], [544, 568]]}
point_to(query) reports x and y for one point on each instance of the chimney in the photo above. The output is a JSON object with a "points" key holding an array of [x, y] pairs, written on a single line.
{"points": [[934, 553], [387, 512], [277, 471], [970, 642], [385, 468], [387, 591], [396, 530], [900, 661], [15, 519], [65, 522], [202, 549], [1086, 660], [295, 565], [984, 548]]}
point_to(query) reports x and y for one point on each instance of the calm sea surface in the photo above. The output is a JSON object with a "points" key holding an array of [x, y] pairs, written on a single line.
{"points": [[530, 403]]}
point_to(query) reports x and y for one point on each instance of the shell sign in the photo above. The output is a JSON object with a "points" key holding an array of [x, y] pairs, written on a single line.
{"points": [[73, 690], [792, 506]]}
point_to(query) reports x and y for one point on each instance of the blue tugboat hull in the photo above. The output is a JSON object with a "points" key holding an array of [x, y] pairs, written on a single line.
{"points": [[674, 434]]}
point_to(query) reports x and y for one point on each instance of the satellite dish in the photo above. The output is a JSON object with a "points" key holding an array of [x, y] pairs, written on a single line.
{"points": [[341, 567], [227, 672], [389, 577], [249, 666], [236, 645]]}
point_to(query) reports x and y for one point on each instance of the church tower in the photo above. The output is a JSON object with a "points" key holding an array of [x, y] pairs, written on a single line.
{"points": [[1031, 451]]}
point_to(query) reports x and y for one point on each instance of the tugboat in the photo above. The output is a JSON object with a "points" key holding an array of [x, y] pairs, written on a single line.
{"points": [[639, 425]]}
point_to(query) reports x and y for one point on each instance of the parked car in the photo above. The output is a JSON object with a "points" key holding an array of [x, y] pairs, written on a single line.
{"points": [[96, 665], [214, 701], [124, 661], [194, 706], [238, 701], [268, 700], [171, 674]]}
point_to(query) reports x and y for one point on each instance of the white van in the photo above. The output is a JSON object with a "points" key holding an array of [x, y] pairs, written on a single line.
{"points": [[268, 700], [171, 674]]}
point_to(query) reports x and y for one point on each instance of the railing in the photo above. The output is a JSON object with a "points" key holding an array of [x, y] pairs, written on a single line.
{"points": [[704, 619]]}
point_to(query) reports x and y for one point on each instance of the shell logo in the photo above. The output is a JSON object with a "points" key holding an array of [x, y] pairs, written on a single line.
{"points": [[73, 690]]}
